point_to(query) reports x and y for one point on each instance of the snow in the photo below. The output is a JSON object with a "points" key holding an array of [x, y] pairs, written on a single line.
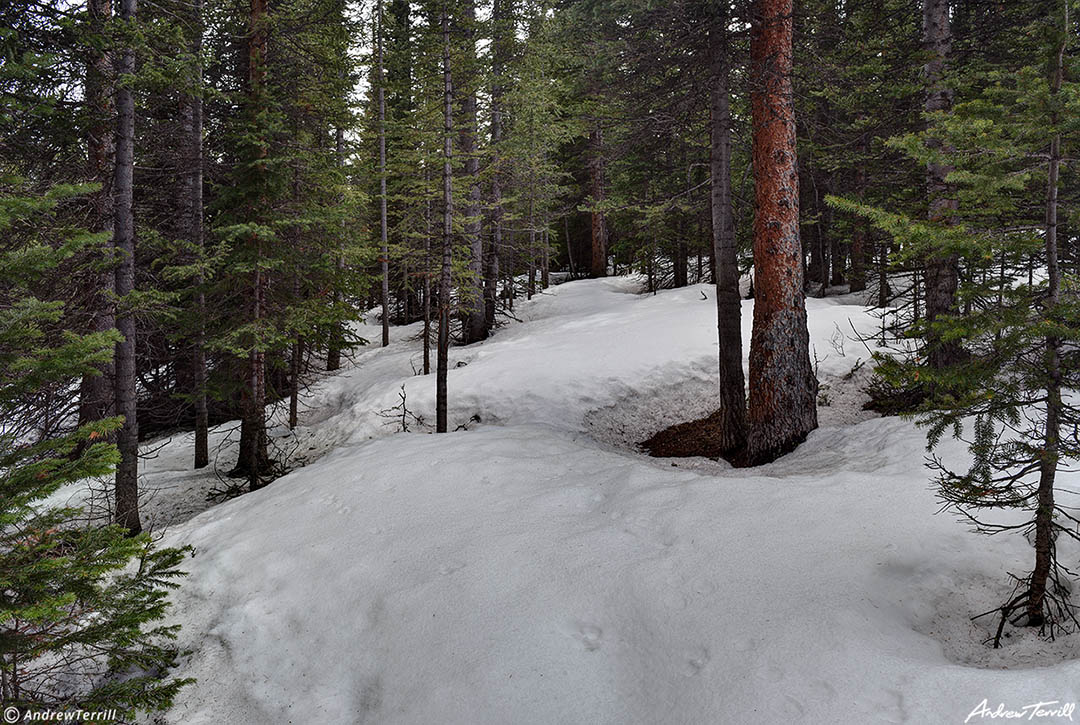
{"points": [[535, 568]]}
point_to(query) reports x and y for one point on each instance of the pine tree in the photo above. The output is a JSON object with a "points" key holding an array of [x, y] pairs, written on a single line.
{"points": [[80, 603], [1003, 139]]}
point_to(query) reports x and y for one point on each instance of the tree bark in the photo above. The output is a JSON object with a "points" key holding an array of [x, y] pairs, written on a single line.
{"points": [[732, 409], [253, 459], [597, 186], [942, 268], [384, 251], [96, 397], [783, 389], [429, 230], [1044, 511], [127, 440], [474, 319], [500, 54], [857, 276], [193, 112], [333, 352], [442, 362]]}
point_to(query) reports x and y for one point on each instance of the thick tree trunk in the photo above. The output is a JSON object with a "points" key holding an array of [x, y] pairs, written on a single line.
{"points": [[597, 187], [783, 388], [732, 411], [442, 362], [127, 440], [942, 269], [1044, 510], [96, 397], [384, 250]]}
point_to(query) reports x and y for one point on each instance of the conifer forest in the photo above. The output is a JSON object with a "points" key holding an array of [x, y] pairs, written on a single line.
{"points": [[489, 362]]}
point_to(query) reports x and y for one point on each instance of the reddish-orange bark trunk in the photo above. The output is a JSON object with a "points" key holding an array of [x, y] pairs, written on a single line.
{"points": [[783, 389]]}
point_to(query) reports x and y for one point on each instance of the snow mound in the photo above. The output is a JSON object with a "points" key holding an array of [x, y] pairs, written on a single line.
{"points": [[535, 571]]}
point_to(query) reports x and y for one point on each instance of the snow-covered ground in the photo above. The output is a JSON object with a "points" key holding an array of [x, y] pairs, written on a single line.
{"points": [[534, 568]]}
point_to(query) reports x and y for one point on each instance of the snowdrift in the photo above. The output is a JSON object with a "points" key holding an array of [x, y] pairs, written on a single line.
{"points": [[528, 571]]}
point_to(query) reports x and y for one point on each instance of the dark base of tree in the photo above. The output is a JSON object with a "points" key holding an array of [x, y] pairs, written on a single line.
{"points": [[890, 400], [708, 438], [767, 454], [704, 437], [265, 472]]}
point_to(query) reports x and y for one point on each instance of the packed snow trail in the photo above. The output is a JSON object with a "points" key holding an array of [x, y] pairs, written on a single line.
{"points": [[524, 572]]}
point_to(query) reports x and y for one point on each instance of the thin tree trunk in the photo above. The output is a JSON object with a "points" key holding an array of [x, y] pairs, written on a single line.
{"points": [[194, 111], [96, 397], [442, 363], [253, 459], [530, 288], [857, 277], [942, 269], [127, 440], [333, 353], [1048, 461], [569, 248], [474, 317], [883, 275], [783, 389], [499, 56], [545, 260], [732, 409], [428, 232], [294, 382], [597, 186], [384, 251]]}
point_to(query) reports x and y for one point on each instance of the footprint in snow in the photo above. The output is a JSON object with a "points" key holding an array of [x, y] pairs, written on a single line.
{"points": [[696, 661], [451, 567], [590, 636]]}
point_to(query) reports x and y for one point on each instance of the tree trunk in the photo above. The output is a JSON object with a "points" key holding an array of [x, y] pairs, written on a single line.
{"points": [[597, 185], [545, 260], [857, 276], [474, 319], [732, 399], [333, 352], [384, 251], [1044, 511], [679, 268], [942, 269], [783, 389], [96, 397], [193, 112], [127, 440], [429, 229], [530, 288], [500, 54], [442, 362], [253, 460]]}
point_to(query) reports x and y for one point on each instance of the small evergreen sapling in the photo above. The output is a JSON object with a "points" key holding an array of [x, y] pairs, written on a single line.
{"points": [[1020, 331], [80, 604]]}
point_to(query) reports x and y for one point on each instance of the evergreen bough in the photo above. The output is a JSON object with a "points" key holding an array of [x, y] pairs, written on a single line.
{"points": [[81, 604]]}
